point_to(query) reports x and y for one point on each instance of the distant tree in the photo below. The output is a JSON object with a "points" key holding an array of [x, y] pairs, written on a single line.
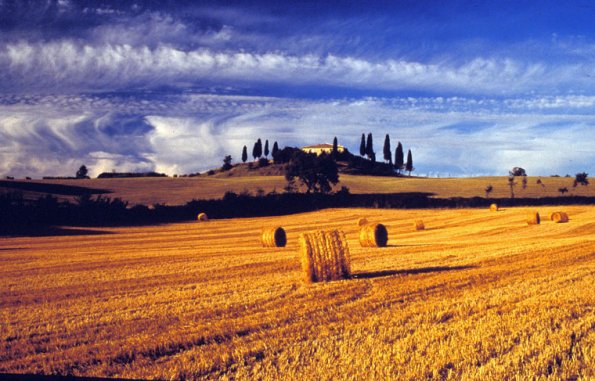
{"points": [[244, 154], [257, 150], [409, 164], [226, 163], [369, 146], [518, 171], [373, 157], [275, 149], [489, 190], [335, 146], [266, 148], [284, 155], [362, 146], [539, 182], [581, 178], [511, 184], [524, 182], [399, 160], [387, 152], [82, 172], [317, 173], [562, 190]]}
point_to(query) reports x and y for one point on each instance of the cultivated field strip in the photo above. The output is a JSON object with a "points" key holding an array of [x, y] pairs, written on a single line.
{"points": [[477, 295], [178, 191]]}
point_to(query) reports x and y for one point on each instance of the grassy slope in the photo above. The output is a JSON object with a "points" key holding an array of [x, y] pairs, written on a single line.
{"points": [[478, 295], [174, 191]]}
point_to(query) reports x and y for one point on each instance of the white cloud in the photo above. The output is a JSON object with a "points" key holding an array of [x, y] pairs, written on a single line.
{"points": [[182, 144], [54, 135], [84, 67]]}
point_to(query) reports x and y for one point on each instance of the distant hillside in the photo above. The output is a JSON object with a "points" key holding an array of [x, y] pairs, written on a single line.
{"points": [[251, 169], [114, 175], [178, 191]]}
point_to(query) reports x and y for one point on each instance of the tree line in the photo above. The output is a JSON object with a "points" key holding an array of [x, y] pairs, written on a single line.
{"points": [[366, 149], [258, 151]]}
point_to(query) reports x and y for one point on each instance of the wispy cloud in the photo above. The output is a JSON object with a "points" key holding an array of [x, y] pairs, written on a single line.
{"points": [[190, 133], [153, 86], [72, 66]]}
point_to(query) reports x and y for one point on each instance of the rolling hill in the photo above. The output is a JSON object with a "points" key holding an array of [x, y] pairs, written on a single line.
{"points": [[179, 190]]}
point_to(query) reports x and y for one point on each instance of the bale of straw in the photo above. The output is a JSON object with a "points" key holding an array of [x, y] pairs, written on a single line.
{"points": [[202, 217], [362, 222], [373, 235], [533, 218], [419, 225], [324, 256], [494, 207], [274, 237], [559, 217]]}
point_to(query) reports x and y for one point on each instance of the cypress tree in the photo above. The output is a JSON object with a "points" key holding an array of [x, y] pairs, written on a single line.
{"points": [[275, 149], [244, 154], [257, 150], [362, 146], [409, 165], [399, 157], [370, 147], [266, 148], [335, 146], [386, 150]]}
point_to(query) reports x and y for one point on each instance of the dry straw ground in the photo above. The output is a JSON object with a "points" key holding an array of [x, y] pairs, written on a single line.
{"points": [[174, 191], [477, 295]]}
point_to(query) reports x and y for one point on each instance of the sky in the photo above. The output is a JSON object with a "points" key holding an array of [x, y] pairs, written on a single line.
{"points": [[470, 87]]}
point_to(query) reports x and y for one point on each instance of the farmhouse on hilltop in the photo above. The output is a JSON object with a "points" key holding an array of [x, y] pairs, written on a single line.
{"points": [[319, 149]]}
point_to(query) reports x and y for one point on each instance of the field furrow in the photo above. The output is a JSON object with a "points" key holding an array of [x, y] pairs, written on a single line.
{"points": [[477, 295]]}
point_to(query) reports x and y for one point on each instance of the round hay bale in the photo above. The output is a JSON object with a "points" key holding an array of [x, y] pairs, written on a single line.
{"points": [[362, 221], [324, 256], [274, 237], [202, 217], [494, 207], [533, 218], [559, 217], [419, 225], [373, 235]]}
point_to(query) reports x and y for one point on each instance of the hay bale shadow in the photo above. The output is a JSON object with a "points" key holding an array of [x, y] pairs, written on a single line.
{"points": [[50, 231], [424, 270]]}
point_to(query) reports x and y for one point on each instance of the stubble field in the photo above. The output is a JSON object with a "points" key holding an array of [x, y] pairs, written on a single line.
{"points": [[178, 191], [477, 295]]}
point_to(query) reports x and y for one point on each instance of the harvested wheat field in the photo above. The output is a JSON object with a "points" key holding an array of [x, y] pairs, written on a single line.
{"points": [[476, 295]]}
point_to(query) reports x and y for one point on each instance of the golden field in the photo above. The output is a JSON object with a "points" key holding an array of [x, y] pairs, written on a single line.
{"points": [[478, 295], [178, 191]]}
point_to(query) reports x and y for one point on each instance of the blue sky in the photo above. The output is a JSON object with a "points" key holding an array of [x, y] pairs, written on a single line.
{"points": [[471, 87]]}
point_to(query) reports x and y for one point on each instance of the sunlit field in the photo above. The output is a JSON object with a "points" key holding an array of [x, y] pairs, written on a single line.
{"points": [[477, 295], [177, 191]]}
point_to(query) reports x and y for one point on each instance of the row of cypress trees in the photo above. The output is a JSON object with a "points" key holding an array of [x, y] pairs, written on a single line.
{"points": [[366, 148], [258, 152]]}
